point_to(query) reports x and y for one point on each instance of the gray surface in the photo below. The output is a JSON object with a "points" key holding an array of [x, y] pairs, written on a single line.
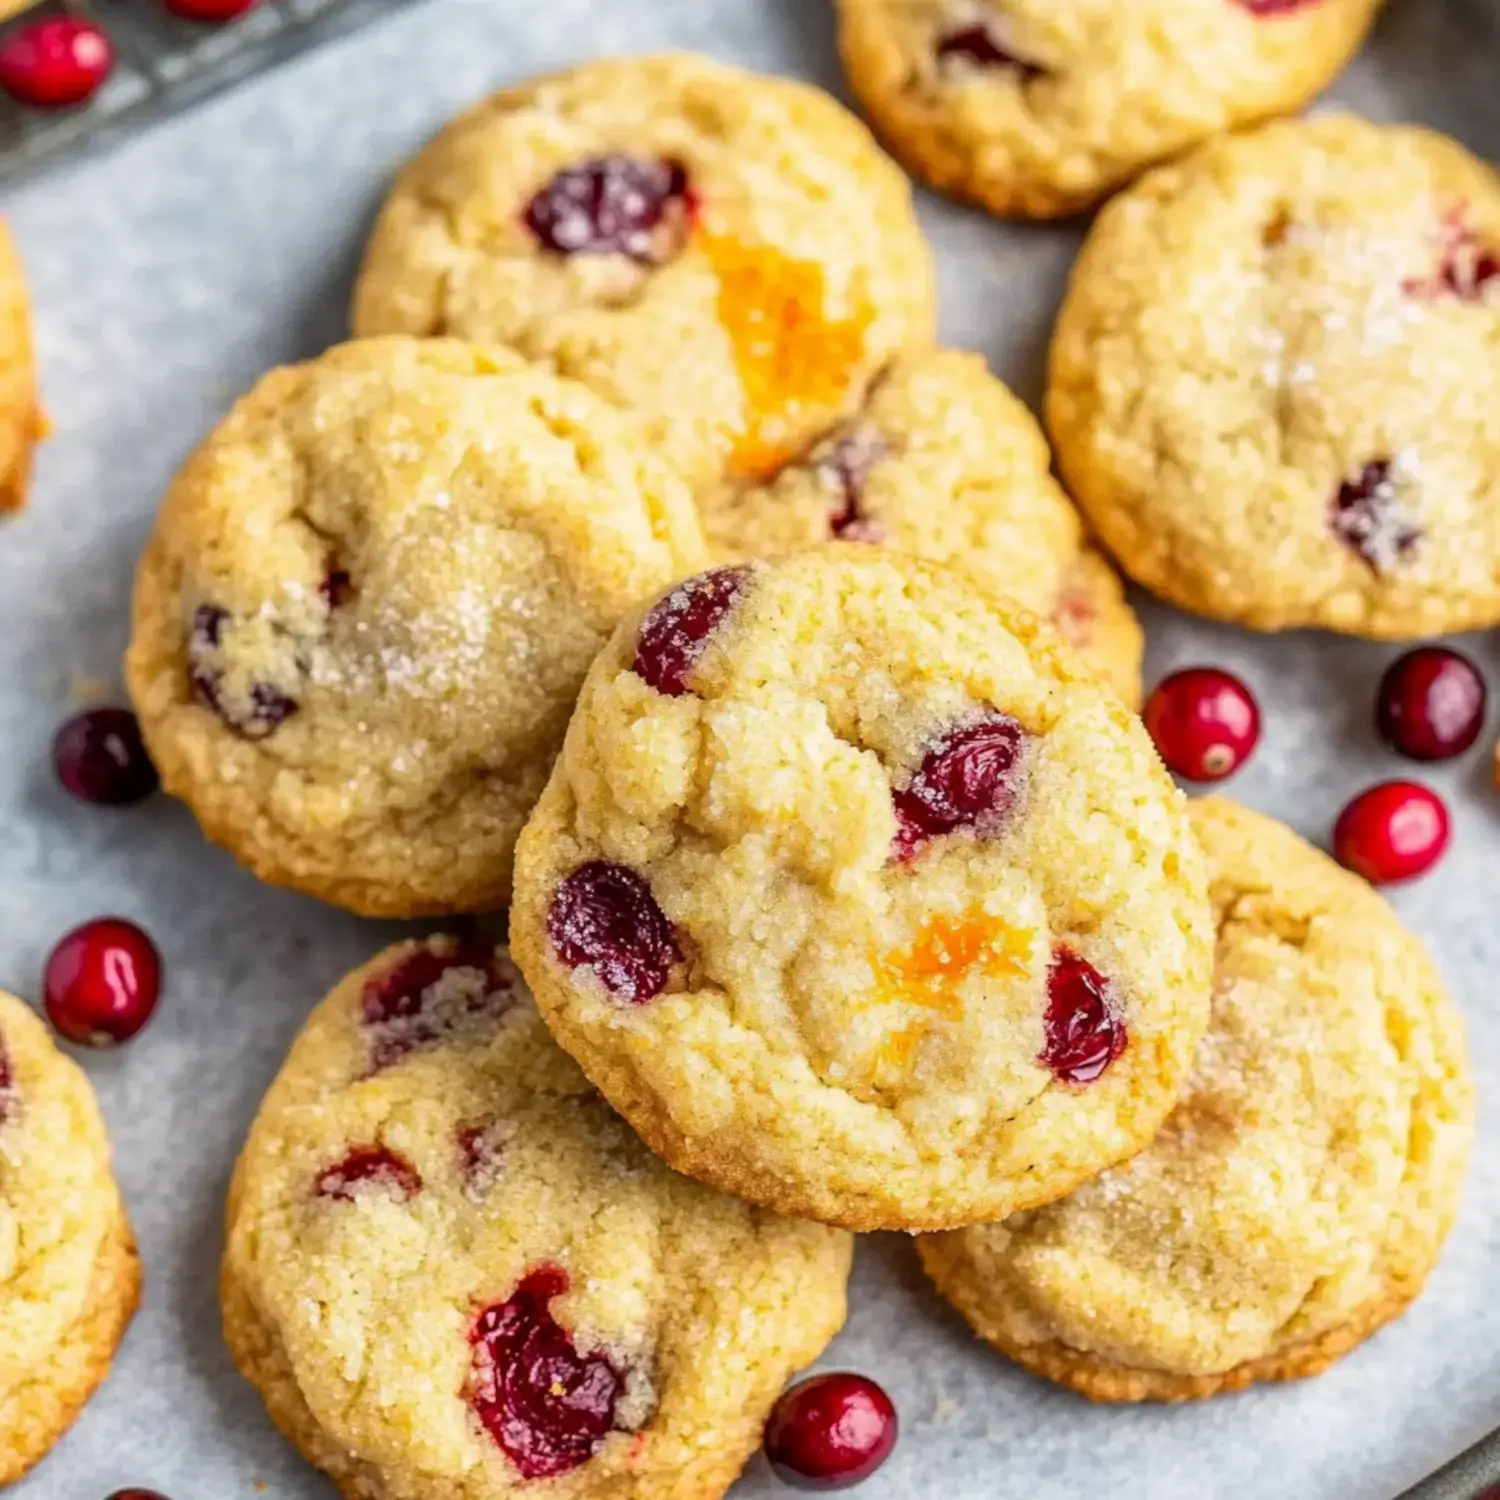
{"points": [[172, 272]]}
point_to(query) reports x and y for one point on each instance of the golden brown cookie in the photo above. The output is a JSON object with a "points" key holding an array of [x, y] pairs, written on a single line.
{"points": [[453, 1271], [69, 1276], [1038, 108], [1274, 380], [370, 601], [727, 253], [1299, 1195], [22, 424], [861, 898]]}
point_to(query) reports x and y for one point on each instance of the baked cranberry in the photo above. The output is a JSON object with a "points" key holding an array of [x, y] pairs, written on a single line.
{"points": [[337, 588], [979, 47], [431, 996], [1465, 268], [99, 757], [1085, 1030], [481, 1150], [605, 918], [1366, 515], [675, 633], [1431, 704], [843, 466], [1276, 7], [1205, 723], [969, 778], [209, 10], [101, 982], [266, 707], [7, 1084], [830, 1431], [376, 1167], [613, 205], [1394, 831], [547, 1406], [53, 63]]}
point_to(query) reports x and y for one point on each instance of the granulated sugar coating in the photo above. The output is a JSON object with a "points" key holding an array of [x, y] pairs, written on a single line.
{"points": [[884, 809], [411, 551], [1300, 1193], [1275, 380]]}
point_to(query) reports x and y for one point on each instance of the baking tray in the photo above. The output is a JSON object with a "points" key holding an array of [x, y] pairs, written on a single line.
{"points": [[173, 269]]}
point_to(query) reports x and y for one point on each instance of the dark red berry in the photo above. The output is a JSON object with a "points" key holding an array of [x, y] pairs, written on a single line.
{"points": [[374, 1167], [548, 1406], [432, 996], [1205, 723], [101, 982], [481, 1151], [1085, 1030], [1431, 704], [830, 1431], [980, 47], [612, 205], [99, 757], [1366, 515], [209, 10], [1276, 7], [337, 588], [7, 1084], [264, 709], [1465, 268], [53, 63], [675, 633], [970, 778], [605, 918], [1394, 831], [844, 465], [137, 1495]]}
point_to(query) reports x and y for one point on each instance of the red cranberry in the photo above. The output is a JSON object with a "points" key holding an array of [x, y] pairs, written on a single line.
{"points": [[101, 982], [337, 588], [209, 10], [54, 63], [612, 205], [1276, 7], [99, 757], [137, 1495], [1366, 515], [969, 778], [980, 47], [830, 1431], [1205, 723], [1394, 831], [675, 633], [844, 465], [268, 707], [430, 997], [481, 1150], [7, 1084], [1085, 1030], [1431, 704], [374, 1166], [1466, 266], [547, 1406], [605, 918]]}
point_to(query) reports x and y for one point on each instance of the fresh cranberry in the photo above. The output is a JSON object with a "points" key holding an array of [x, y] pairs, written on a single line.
{"points": [[979, 47], [137, 1495], [830, 1431], [1431, 704], [268, 707], [675, 633], [969, 778], [101, 982], [375, 1166], [209, 10], [1366, 515], [547, 1406], [54, 63], [1394, 831], [605, 918], [612, 205], [844, 466], [430, 997], [99, 757], [1085, 1030], [1205, 723]]}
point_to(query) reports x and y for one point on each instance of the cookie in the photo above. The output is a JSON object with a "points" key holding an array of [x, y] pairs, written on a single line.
{"points": [[1273, 381], [727, 253], [1035, 109], [453, 1271], [860, 898], [69, 1276], [22, 424], [942, 461], [368, 605], [1299, 1195]]}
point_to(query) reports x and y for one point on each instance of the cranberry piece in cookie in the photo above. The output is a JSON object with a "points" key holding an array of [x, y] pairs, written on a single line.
{"points": [[1366, 515], [429, 997], [1276, 7], [969, 778], [547, 1405], [979, 46], [263, 710], [1085, 1030], [7, 1085], [613, 205], [605, 918], [676, 632], [374, 1167], [843, 466]]}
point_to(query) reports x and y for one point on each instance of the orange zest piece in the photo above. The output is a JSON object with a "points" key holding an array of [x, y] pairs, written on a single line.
{"points": [[947, 950]]}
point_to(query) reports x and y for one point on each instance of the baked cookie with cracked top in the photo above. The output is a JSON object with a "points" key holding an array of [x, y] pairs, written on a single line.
{"points": [[368, 605], [69, 1275], [1299, 1195], [860, 898], [941, 460], [1038, 109], [454, 1273], [729, 254], [1274, 378], [22, 424]]}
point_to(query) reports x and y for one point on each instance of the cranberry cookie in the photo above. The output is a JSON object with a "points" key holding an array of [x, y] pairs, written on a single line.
{"points": [[454, 1273], [1299, 1195], [1274, 381], [69, 1276], [860, 898], [369, 603], [728, 254], [21, 420], [1035, 108], [942, 461]]}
